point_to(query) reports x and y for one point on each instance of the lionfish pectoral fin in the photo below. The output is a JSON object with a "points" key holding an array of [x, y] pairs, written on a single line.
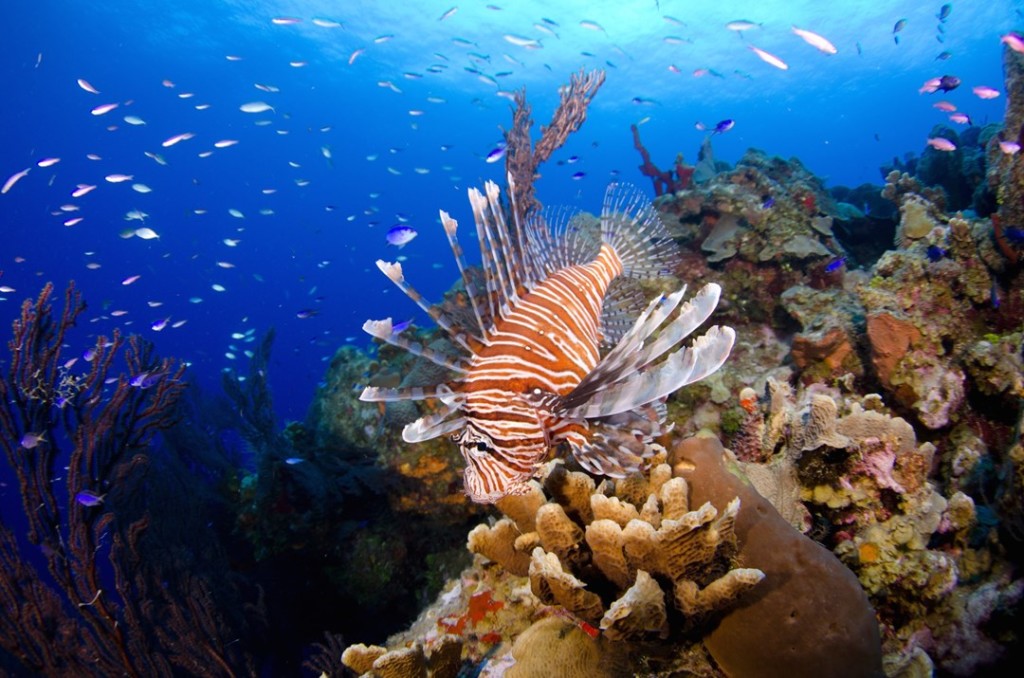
{"points": [[683, 366], [434, 426], [619, 445], [442, 392], [610, 452]]}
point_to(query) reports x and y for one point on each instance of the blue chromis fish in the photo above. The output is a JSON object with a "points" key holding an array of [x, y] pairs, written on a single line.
{"points": [[720, 128], [835, 264], [532, 376], [400, 235], [497, 153], [89, 498]]}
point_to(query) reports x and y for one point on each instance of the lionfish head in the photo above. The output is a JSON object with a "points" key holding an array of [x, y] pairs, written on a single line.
{"points": [[494, 467]]}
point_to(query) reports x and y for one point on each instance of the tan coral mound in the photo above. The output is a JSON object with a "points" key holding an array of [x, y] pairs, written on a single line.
{"points": [[632, 538]]}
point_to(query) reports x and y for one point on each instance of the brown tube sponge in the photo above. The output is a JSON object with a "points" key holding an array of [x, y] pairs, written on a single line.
{"points": [[809, 616]]}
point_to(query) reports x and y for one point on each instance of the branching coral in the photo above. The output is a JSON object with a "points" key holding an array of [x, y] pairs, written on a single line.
{"points": [[522, 158]]}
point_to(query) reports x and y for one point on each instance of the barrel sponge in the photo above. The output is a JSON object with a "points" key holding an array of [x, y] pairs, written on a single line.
{"points": [[809, 616]]}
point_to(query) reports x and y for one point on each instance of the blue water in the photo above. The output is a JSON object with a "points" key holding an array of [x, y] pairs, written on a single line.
{"points": [[843, 115]]}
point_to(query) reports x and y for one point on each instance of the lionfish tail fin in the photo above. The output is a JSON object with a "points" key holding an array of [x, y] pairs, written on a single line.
{"points": [[632, 227]]}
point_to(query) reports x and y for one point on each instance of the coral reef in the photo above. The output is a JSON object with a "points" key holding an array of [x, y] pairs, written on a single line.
{"points": [[916, 551], [873, 401], [1005, 172], [636, 576]]}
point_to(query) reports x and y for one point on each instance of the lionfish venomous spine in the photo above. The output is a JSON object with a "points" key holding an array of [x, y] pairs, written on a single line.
{"points": [[533, 376]]}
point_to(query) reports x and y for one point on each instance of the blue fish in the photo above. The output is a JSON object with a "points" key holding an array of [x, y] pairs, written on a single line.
{"points": [[144, 380], [400, 327], [400, 235], [89, 498], [835, 264], [1014, 234], [768, 203], [936, 253], [720, 128], [497, 153]]}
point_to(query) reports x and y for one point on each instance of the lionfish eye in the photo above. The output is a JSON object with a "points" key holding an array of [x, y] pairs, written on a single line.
{"points": [[481, 447]]}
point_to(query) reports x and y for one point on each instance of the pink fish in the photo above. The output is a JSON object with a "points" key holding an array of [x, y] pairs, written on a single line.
{"points": [[1009, 147], [13, 179], [177, 138], [769, 58], [1014, 41], [984, 92], [815, 40], [941, 144], [105, 108], [84, 84], [960, 118], [944, 106]]}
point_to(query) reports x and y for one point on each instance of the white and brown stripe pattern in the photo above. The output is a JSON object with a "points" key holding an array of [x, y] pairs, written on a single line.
{"points": [[534, 376]]}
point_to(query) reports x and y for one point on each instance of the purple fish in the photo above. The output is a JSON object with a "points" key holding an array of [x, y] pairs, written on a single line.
{"points": [[145, 380], [30, 440], [400, 235], [89, 498]]}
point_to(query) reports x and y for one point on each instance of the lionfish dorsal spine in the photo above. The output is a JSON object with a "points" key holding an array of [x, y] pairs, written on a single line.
{"points": [[496, 270], [632, 227], [450, 228]]}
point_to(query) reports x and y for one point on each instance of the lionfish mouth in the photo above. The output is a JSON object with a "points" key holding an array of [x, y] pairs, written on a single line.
{"points": [[532, 374]]}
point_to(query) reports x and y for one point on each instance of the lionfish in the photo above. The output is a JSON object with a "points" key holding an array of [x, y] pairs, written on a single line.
{"points": [[532, 376]]}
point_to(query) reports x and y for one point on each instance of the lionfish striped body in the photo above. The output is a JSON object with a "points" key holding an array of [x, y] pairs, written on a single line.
{"points": [[535, 376]]}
